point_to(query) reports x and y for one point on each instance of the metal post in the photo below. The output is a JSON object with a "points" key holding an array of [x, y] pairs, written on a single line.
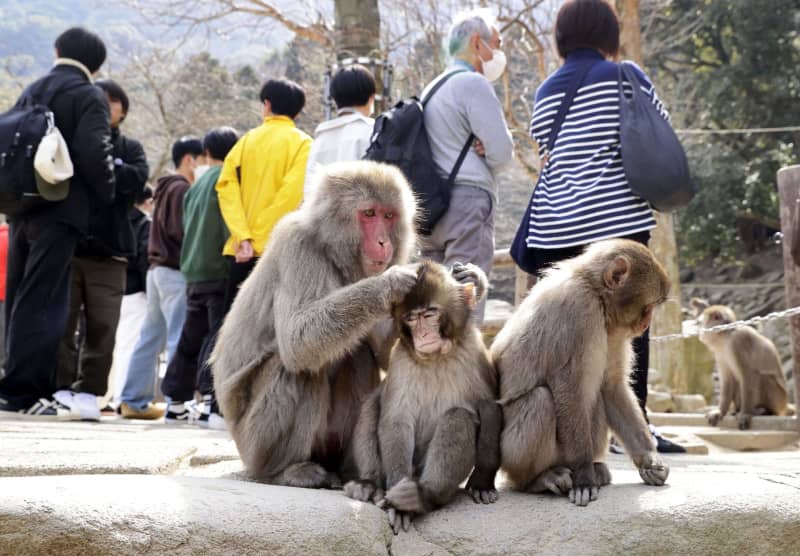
{"points": [[789, 191]]}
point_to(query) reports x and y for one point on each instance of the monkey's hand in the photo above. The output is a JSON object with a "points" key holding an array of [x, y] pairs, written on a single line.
{"points": [[743, 420], [481, 489], [714, 417], [652, 469], [397, 282], [584, 485], [365, 491], [468, 272]]}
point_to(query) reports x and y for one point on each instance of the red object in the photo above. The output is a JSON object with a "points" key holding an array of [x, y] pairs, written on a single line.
{"points": [[3, 259]]}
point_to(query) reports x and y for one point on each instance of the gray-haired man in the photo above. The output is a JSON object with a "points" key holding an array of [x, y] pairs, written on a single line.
{"points": [[466, 104]]}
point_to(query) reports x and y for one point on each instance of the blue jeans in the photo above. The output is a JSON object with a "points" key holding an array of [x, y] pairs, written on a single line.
{"points": [[166, 311]]}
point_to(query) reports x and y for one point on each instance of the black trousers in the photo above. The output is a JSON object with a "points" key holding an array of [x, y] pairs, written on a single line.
{"points": [[97, 286], [641, 345], [189, 369], [238, 273], [37, 293]]}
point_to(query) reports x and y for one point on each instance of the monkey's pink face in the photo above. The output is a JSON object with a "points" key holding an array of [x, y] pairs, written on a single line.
{"points": [[376, 223], [425, 331]]}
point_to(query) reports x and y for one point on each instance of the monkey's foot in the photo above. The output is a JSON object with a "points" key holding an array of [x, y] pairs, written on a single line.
{"points": [[714, 416], [584, 485], [652, 469], [743, 420], [602, 473], [365, 491], [481, 488], [304, 475], [557, 480], [398, 520], [406, 496]]}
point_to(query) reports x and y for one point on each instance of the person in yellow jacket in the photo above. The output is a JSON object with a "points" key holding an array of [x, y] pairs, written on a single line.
{"points": [[262, 179]]}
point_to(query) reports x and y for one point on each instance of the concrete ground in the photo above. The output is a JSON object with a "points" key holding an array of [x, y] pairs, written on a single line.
{"points": [[128, 487]]}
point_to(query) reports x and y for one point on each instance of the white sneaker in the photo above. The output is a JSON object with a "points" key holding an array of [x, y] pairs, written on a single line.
{"points": [[86, 405], [68, 410], [216, 422]]}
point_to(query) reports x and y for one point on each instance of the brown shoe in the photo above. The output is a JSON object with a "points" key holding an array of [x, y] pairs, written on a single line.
{"points": [[150, 413]]}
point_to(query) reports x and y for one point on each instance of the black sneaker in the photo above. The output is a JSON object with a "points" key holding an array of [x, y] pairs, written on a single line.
{"points": [[47, 408], [180, 413], [6, 405], [665, 446]]}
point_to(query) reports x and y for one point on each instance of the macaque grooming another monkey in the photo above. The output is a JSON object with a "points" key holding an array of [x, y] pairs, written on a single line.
{"points": [[564, 360], [434, 418], [298, 351], [749, 367]]}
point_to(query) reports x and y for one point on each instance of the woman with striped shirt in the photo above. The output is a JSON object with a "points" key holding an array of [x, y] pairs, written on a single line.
{"points": [[582, 194]]}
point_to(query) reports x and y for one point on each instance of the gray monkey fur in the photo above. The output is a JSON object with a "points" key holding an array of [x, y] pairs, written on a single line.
{"points": [[564, 360], [296, 354], [430, 422]]}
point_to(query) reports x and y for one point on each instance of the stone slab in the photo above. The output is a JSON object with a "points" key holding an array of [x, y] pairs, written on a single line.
{"points": [[36, 447], [750, 440], [729, 422], [732, 504]]}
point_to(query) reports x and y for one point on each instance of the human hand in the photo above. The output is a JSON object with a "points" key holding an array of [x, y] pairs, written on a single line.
{"points": [[244, 251], [479, 148]]}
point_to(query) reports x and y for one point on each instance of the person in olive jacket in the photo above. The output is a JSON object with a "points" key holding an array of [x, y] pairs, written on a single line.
{"points": [[42, 240], [98, 273]]}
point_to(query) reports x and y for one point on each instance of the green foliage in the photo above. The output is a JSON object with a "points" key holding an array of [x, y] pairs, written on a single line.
{"points": [[737, 69]]}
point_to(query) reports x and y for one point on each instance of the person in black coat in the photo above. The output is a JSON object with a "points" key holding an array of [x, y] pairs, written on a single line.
{"points": [[99, 273], [42, 240]]}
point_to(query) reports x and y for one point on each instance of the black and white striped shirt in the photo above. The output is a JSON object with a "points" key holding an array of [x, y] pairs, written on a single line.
{"points": [[582, 194]]}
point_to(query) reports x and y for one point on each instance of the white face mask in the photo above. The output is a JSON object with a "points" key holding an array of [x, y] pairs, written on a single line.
{"points": [[199, 170], [495, 67]]}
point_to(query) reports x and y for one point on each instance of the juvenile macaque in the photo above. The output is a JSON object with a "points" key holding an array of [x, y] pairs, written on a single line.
{"points": [[564, 360], [434, 418], [750, 372], [297, 353]]}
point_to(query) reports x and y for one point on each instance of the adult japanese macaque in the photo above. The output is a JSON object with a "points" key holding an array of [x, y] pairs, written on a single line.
{"points": [[564, 360], [750, 372], [296, 354], [434, 418]]}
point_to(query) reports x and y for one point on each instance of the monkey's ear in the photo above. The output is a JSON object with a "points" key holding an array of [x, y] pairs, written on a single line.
{"points": [[468, 294], [617, 272], [699, 305]]}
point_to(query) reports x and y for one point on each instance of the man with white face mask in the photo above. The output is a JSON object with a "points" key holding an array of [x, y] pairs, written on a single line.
{"points": [[467, 104]]}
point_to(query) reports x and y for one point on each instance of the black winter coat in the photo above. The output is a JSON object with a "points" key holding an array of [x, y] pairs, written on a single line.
{"points": [[136, 276], [110, 232], [82, 116]]}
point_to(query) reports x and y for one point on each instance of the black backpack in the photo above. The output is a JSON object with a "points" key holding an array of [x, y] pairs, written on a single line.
{"points": [[399, 138], [21, 129]]}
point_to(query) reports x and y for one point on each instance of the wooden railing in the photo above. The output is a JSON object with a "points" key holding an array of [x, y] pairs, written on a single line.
{"points": [[502, 259]]}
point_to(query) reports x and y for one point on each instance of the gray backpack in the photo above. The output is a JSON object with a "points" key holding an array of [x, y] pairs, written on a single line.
{"points": [[654, 161]]}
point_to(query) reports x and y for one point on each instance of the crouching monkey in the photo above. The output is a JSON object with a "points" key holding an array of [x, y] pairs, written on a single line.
{"points": [[434, 418], [750, 372], [295, 356], [564, 360]]}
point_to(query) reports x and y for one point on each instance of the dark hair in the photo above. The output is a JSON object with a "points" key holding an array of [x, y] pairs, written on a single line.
{"points": [[587, 24], [219, 141], [352, 86], [183, 146], [143, 195], [79, 44], [286, 97], [114, 92]]}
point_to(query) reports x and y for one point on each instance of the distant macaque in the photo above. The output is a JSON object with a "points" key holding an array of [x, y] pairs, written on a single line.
{"points": [[749, 367], [434, 418], [564, 360]]}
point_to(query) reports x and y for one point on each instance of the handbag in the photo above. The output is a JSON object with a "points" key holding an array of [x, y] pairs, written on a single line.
{"points": [[653, 159], [524, 257]]}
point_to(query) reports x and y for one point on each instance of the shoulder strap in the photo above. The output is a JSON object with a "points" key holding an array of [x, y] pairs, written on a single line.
{"points": [[442, 81], [569, 96], [465, 149]]}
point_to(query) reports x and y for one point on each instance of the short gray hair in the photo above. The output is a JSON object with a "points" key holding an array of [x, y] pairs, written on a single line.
{"points": [[467, 24]]}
